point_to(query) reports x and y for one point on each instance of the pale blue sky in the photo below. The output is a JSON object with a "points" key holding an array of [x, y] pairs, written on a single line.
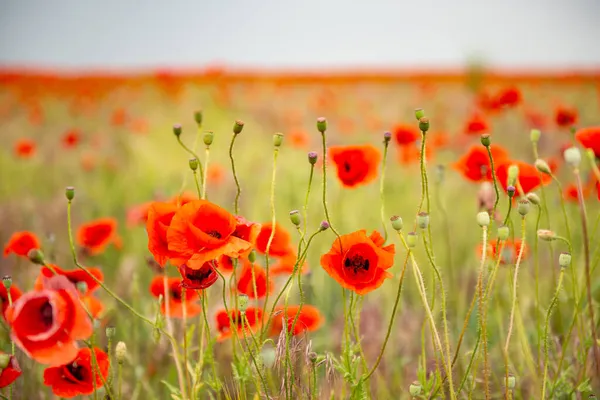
{"points": [[304, 33]]}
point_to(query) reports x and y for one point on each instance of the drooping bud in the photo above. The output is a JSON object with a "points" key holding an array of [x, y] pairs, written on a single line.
{"points": [[511, 191], [546, 234], [503, 232], [397, 223], [513, 174], [542, 166], [533, 198], [242, 302], [387, 136], [523, 207], [411, 239], [312, 157], [177, 130], [324, 226], [208, 137], [564, 260], [322, 124], [110, 332], [534, 135], [252, 256], [70, 193], [121, 352], [419, 113], [7, 282], [193, 163], [312, 357], [295, 217], [572, 156], [36, 256], [238, 126], [485, 140], [423, 220], [198, 117], [82, 287], [424, 124], [277, 139], [483, 219], [415, 388]]}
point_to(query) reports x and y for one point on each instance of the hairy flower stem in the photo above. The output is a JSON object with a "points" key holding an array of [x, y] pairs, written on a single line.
{"points": [[185, 343], [513, 307], [305, 208], [258, 369], [482, 322], [180, 373], [238, 189], [193, 154], [547, 327], [206, 159], [324, 142], [197, 183], [489, 151], [228, 311], [382, 191]]}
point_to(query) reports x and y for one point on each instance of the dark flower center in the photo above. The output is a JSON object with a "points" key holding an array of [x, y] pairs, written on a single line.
{"points": [[199, 274], [47, 314], [347, 166], [214, 234], [76, 372], [357, 263]]}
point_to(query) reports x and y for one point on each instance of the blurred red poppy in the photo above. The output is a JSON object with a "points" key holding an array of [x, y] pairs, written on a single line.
{"points": [[476, 125], [97, 234], [565, 117], [254, 316], [25, 148], [71, 138], [309, 319], [9, 369], [356, 165], [252, 277], [20, 243], [590, 138], [475, 164], [175, 290], [202, 278], [529, 178], [281, 243]]}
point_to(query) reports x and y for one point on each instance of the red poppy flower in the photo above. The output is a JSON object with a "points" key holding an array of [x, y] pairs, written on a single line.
{"points": [[159, 219], [565, 117], [246, 230], [309, 319], [199, 278], [476, 125], [25, 148], [20, 243], [15, 293], [9, 369], [97, 234], [360, 263], [510, 252], [246, 282], [254, 316], [74, 276], [202, 231], [281, 243], [285, 265], [590, 139], [535, 119], [598, 189], [176, 304], [356, 165], [475, 164], [225, 264], [406, 135], [77, 376], [71, 138], [571, 193], [138, 214], [529, 178], [183, 198], [508, 97], [412, 154], [46, 324]]}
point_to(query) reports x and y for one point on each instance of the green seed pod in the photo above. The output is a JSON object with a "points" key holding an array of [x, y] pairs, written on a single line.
{"points": [[177, 130], [483, 219], [121, 352], [523, 207], [238, 126], [542, 166], [70, 193], [512, 381], [208, 137], [295, 217], [312, 157], [198, 117], [110, 332], [534, 135], [533, 198], [423, 220], [419, 113], [572, 156], [7, 282], [397, 223], [322, 124], [415, 388], [411, 239], [4, 361], [277, 139], [424, 124], [546, 234], [242, 302], [503, 232], [252, 256], [193, 164], [36, 256], [485, 140], [564, 260]]}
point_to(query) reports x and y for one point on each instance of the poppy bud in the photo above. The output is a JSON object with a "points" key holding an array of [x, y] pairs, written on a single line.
{"points": [[513, 174], [322, 124], [110, 332], [419, 113], [483, 219], [564, 260], [542, 166], [7, 282], [572, 156], [512, 381], [534, 135], [424, 124], [70, 193], [397, 223], [242, 302], [387, 136], [277, 139], [177, 130], [198, 117], [252, 256], [208, 137], [121, 352], [511, 191], [546, 234], [193, 164], [503, 232], [485, 139], [523, 207], [415, 388], [82, 287], [36, 257], [411, 239], [238, 126], [312, 357], [423, 220], [533, 198], [312, 157], [295, 217], [4, 361], [324, 226]]}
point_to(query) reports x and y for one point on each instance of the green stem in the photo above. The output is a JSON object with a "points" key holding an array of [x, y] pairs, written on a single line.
{"points": [[489, 151], [381, 189], [324, 142], [193, 154], [206, 158], [482, 322], [546, 345], [238, 190], [197, 183], [262, 379]]}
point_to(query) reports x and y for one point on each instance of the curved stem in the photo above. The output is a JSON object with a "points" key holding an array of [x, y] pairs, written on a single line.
{"points": [[206, 158], [381, 189], [193, 154], [324, 142], [489, 151], [262, 379], [546, 328], [238, 189], [482, 321]]}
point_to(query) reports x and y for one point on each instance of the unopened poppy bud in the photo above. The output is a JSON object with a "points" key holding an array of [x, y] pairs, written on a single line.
{"points": [[82, 287], [513, 174], [7, 282], [312, 157], [512, 381], [485, 140], [534, 135], [503, 232], [110, 332], [242, 302], [193, 164], [312, 357], [198, 117], [177, 130], [564, 260], [70, 193], [121, 352], [208, 137], [419, 113], [423, 220], [511, 190], [322, 124], [252, 256], [397, 223], [36, 256], [546, 234], [411, 239], [295, 217], [483, 219], [415, 388], [387, 136], [324, 226], [523, 207], [533, 198], [424, 124], [4, 361], [542, 166], [572, 156], [238, 126], [277, 139]]}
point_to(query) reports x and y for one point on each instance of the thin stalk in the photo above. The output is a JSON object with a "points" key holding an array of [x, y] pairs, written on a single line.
{"points": [[324, 143], [305, 208], [482, 322], [193, 154], [546, 345], [536, 261], [206, 158], [386, 143], [489, 151], [260, 375], [195, 172], [238, 189], [180, 373], [185, 343]]}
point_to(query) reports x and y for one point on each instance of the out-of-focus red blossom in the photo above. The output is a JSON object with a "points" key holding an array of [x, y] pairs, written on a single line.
{"points": [[285, 265], [183, 198], [202, 278], [508, 97], [35, 114], [475, 164], [88, 162], [412, 154], [119, 117], [298, 138], [215, 174], [159, 217], [76, 377], [571, 193], [509, 253], [9, 369], [175, 301], [476, 125], [20, 243], [309, 319], [281, 244], [138, 214], [406, 135], [139, 126], [97, 234], [253, 314], [46, 324], [590, 138], [251, 275], [25, 148], [71, 138], [535, 119], [74, 276], [565, 117], [15, 293], [93, 305], [225, 264], [529, 178], [355, 165]]}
